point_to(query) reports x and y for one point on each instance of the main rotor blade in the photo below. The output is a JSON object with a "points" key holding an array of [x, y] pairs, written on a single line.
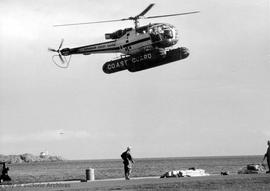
{"points": [[86, 23], [171, 15], [130, 18], [146, 10]]}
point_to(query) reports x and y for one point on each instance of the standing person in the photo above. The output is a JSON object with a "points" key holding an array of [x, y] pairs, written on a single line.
{"points": [[127, 160], [267, 156]]}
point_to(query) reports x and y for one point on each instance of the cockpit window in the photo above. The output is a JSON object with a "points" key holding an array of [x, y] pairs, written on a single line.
{"points": [[160, 32], [168, 34]]}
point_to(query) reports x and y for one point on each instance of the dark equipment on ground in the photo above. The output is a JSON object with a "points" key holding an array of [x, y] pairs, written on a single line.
{"points": [[252, 169], [4, 172]]}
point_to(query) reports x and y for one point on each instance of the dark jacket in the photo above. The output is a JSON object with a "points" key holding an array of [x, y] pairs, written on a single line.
{"points": [[127, 158]]}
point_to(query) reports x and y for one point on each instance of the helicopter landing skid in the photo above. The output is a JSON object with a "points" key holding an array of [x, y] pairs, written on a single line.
{"points": [[145, 61], [61, 61]]}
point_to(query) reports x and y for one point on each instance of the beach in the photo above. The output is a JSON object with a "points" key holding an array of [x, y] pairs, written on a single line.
{"points": [[217, 182]]}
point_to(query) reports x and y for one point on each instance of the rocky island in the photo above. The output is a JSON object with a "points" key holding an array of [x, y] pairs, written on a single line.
{"points": [[28, 158]]}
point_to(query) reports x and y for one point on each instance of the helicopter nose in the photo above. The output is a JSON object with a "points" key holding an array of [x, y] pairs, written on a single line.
{"points": [[184, 52]]}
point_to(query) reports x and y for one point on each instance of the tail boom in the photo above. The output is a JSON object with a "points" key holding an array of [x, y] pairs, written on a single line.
{"points": [[105, 47]]}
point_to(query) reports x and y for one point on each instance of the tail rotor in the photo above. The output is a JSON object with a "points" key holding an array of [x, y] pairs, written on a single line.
{"points": [[64, 62]]}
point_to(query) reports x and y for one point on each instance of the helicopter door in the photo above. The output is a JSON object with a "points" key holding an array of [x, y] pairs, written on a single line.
{"points": [[126, 42]]}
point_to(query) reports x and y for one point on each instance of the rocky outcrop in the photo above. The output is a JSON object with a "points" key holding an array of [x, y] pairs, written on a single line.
{"points": [[28, 158]]}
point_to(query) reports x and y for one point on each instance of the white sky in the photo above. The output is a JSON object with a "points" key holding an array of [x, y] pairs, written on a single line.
{"points": [[215, 102]]}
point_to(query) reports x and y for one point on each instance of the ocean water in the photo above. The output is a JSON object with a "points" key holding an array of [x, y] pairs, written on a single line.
{"points": [[105, 169]]}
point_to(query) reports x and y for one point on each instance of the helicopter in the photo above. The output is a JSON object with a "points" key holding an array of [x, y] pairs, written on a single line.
{"points": [[141, 47]]}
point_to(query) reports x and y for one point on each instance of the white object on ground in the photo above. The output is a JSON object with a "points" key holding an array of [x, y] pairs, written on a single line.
{"points": [[185, 173]]}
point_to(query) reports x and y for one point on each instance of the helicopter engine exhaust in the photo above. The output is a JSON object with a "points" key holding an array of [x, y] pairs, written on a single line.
{"points": [[145, 61]]}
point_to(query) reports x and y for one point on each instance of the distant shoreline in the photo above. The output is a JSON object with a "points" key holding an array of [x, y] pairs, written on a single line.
{"points": [[30, 158]]}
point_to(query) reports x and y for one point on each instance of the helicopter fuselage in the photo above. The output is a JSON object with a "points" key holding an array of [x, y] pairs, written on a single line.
{"points": [[131, 41]]}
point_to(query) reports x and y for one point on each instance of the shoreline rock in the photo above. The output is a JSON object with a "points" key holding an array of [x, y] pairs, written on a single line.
{"points": [[28, 158]]}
